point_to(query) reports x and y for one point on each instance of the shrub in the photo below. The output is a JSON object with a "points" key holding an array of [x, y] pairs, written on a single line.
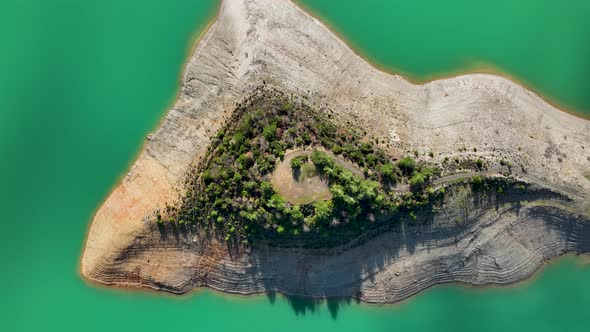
{"points": [[266, 189], [407, 165], [321, 160], [370, 160], [286, 108], [296, 214], [336, 149], [366, 148], [417, 181], [270, 131], [477, 182], [237, 177], [298, 161], [389, 172], [306, 138], [479, 163], [322, 212], [429, 172]]}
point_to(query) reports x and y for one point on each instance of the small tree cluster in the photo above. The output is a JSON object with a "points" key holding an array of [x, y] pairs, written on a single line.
{"points": [[230, 191]]}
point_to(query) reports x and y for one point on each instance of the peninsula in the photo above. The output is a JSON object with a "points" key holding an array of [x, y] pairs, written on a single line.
{"points": [[289, 164]]}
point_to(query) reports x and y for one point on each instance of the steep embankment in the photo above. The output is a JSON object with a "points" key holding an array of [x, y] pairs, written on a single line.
{"points": [[484, 116]]}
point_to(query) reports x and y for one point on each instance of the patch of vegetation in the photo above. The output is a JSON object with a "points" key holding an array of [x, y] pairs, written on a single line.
{"points": [[407, 165], [479, 163], [297, 162], [478, 183], [308, 170], [230, 190], [498, 185]]}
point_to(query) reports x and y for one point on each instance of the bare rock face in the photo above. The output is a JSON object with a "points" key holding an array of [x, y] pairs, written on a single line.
{"points": [[275, 43]]}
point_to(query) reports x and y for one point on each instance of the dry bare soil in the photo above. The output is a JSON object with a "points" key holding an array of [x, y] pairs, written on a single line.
{"points": [[299, 189]]}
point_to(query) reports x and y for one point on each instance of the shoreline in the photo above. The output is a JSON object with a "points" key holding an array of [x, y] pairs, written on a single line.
{"points": [[581, 261], [194, 39], [172, 124], [484, 68]]}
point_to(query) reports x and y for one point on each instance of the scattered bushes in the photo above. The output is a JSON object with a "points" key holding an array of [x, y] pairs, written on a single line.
{"points": [[230, 192]]}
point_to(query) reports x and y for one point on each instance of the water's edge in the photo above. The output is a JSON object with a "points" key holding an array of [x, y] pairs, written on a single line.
{"points": [[486, 68]]}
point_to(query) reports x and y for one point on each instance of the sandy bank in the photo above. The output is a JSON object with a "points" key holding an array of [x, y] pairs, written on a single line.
{"points": [[273, 41]]}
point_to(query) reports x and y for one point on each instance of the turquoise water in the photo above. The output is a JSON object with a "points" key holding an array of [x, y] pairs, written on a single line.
{"points": [[544, 44], [556, 301], [81, 83]]}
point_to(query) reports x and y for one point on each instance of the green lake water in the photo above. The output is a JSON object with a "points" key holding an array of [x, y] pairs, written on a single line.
{"points": [[543, 44], [81, 84]]}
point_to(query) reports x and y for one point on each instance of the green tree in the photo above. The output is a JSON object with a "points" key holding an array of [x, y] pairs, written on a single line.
{"points": [[296, 214], [321, 160], [417, 181], [270, 132], [389, 172], [322, 212], [368, 190], [266, 189], [407, 165], [297, 162], [336, 149]]}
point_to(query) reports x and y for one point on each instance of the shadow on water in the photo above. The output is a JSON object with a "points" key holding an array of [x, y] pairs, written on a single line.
{"points": [[337, 282], [304, 305], [351, 269], [304, 271]]}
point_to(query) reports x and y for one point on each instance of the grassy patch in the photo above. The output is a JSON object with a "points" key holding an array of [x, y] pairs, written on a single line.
{"points": [[308, 170]]}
